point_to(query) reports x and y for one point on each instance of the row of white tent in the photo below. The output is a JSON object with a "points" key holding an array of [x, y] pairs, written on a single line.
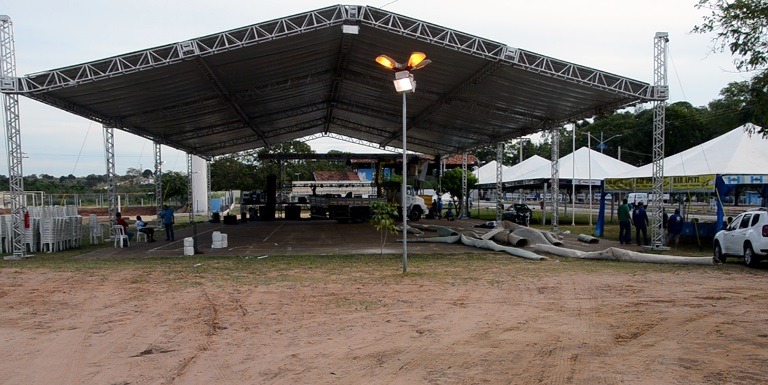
{"points": [[736, 152]]}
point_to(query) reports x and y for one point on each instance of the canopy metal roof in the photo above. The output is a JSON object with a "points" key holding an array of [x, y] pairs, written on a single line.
{"points": [[314, 74]]}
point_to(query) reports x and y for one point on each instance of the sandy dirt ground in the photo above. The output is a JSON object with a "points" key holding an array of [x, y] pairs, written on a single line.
{"points": [[499, 321]]}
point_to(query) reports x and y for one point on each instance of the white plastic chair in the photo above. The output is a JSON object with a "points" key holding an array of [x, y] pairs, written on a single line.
{"points": [[120, 235], [140, 235], [96, 231]]}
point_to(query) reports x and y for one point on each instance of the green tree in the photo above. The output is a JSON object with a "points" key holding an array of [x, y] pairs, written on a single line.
{"points": [[232, 174], [741, 26], [383, 219], [452, 184], [175, 186]]}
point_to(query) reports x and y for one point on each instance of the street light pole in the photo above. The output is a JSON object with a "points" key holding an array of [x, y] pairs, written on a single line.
{"points": [[403, 195], [404, 84]]}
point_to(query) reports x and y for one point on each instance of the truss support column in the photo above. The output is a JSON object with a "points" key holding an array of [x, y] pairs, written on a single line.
{"points": [[191, 205], [465, 211], [661, 94], [9, 82], [190, 196], [499, 186], [109, 152], [208, 186], [555, 189], [158, 180]]}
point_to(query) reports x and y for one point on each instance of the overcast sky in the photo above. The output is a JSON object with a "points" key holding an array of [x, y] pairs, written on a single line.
{"points": [[610, 35]]}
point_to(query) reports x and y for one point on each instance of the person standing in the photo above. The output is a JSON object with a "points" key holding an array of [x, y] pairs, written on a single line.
{"points": [[168, 220], [625, 226], [674, 228], [142, 227], [640, 220]]}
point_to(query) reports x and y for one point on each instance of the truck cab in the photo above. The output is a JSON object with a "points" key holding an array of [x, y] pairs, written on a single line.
{"points": [[416, 207]]}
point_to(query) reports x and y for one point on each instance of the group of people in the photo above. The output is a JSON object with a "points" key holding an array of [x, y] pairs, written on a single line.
{"points": [[638, 218], [166, 217], [436, 210]]}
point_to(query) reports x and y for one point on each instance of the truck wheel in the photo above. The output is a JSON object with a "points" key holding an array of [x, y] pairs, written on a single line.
{"points": [[415, 214], [749, 256]]}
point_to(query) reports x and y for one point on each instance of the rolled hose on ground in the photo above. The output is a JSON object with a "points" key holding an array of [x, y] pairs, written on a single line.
{"points": [[587, 238], [483, 244], [617, 254]]}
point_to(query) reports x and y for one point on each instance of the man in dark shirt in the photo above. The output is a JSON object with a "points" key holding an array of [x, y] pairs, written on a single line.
{"points": [[674, 228], [625, 231], [640, 220]]}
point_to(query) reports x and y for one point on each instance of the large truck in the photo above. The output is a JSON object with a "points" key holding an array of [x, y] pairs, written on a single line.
{"points": [[358, 209]]}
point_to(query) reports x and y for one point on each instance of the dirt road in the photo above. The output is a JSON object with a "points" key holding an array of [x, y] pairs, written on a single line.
{"points": [[484, 319]]}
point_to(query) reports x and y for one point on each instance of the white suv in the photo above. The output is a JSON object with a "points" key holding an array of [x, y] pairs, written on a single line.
{"points": [[746, 236]]}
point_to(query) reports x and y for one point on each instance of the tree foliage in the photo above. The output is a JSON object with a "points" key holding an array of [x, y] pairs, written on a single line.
{"points": [[741, 26], [452, 184], [175, 186], [383, 219]]}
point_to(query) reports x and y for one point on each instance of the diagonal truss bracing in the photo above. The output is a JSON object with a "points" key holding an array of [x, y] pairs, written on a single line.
{"points": [[325, 18]]}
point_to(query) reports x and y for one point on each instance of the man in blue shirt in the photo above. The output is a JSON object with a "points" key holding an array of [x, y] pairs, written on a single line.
{"points": [[166, 216], [674, 228], [640, 220]]}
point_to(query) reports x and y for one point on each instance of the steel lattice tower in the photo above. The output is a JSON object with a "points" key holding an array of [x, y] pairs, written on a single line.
{"points": [[499, 187], [109, 149], [465, 210], [9, 83], [660, 96], [158, 180], [555, 188]]}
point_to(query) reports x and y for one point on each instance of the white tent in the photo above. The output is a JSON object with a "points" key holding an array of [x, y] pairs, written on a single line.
{"points": [[515, 172], [487, 173], [588, 163], [734, 153]]}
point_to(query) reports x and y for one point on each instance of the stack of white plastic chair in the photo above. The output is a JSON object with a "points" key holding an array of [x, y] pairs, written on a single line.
{"points": [[5, 233], [47, 234], [95, 229], [31, 237]]}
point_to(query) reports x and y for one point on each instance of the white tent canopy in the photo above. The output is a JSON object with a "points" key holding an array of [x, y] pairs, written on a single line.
{"points": [[533, 163], [735, 152], [487, 173], [589, 164]]}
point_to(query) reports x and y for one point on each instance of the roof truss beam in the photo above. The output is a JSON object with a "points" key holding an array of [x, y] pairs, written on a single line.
{"points": [[341, 65], [224, 94], [473, 80]]}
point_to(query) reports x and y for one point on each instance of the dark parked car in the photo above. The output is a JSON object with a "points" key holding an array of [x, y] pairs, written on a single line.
{"points": [[518, 213]]}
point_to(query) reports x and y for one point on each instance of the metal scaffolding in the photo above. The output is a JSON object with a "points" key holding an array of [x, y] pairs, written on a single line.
{"points": [[555, 176], [499, 187], [189, 188], [158, 179], [8, 82], [465, 211], [109, 152], [661, 94]]}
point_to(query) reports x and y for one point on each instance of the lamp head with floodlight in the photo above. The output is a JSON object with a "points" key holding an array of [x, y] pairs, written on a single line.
{"points": [[403, 78]]}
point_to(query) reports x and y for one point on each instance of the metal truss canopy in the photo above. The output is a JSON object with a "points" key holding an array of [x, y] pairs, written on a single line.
{"points": [[314, 74]]}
